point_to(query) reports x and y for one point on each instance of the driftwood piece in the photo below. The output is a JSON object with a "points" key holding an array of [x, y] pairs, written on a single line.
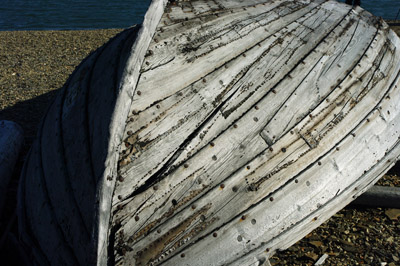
{"points": [[215, 133], [11, 140], [380, 196]]}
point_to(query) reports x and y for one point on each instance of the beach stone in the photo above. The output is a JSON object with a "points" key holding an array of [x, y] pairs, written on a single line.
{"points": [[393, 214], [11, 138]]}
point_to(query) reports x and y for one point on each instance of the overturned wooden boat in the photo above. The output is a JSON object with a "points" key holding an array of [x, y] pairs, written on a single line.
{"points": [[215, 133]]}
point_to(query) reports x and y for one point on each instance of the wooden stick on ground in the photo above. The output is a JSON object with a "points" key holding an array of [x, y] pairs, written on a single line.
{"points": [[380, 196]]}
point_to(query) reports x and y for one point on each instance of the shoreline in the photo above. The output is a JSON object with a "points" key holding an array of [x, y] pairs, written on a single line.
{"points": [[36, 63]]}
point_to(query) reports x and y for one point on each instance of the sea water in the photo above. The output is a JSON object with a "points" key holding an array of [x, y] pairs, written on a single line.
{"points": [[387, 9], [94, 14], [70, 14]]}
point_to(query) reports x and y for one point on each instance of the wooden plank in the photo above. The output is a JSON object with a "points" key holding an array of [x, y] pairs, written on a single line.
{"points": [[57, 184], [126, 90], [103, 86], [78, 160], [44, 230]]}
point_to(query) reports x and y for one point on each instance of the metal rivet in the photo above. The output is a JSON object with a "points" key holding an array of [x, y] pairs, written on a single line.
{"points": [[222, 186], [186, 165], [193, 206], [319, 163], [120, 179], [155, 187], [174, 202], [136, 218], [234, 189], [256, 107], [129, 133], [248, 167], [239, 238], [253, 221], [271, 199], [214, 157], [243, 217], [119, 197], [235, 126], [182, 255], [139, 93], [215, 234], [283, 149], [212, 144], [271, 149], [158, 106], [255, 119]]}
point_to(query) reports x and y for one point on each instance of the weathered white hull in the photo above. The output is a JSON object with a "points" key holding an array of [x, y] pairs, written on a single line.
{"points": [[215, 133]]}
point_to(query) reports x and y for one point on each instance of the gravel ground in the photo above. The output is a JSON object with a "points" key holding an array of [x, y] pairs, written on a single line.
{"points": [[35, 63]]}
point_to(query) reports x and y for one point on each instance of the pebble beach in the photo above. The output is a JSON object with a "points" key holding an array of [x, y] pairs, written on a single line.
{"points": [[34, 64]]}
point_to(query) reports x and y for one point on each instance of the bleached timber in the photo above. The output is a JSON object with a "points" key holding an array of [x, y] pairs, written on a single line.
{"points": [[215, 133]]}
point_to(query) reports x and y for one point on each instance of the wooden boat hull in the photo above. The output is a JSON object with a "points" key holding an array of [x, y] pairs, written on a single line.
{"points": [[215, 133]]}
